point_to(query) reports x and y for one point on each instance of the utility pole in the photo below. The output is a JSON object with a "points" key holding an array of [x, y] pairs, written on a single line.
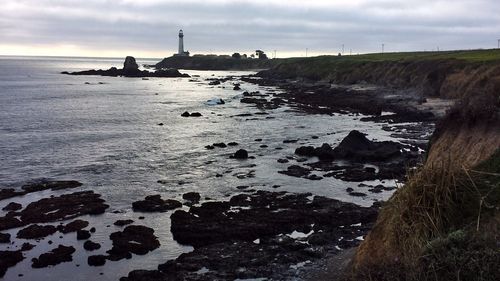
{"points": [[383, 46], [342, 49], [274, 53], [307, 49], [350, 52]]}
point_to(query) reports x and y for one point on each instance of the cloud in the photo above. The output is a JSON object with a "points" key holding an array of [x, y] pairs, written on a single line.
{"points": [[150, 27]]}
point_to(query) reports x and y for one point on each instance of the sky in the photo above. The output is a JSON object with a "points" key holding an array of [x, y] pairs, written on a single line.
{"points": [[149, 28]]}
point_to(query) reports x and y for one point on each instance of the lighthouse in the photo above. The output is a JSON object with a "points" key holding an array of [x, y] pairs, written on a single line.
{"points": [[181, 45]]}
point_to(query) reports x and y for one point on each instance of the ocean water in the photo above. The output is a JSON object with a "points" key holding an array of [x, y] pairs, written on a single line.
{"points": [[104, 132]]}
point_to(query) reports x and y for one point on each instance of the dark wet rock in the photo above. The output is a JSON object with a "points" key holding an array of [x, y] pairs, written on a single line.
{"points": [[92, 230], [39, 185], [36, 231], [314, 177], [224, 233], [305, 151], [210, 147], [282, 161], [258, 140], [193, 197], [55, 256], [185, 114], [73, 226], [96, 260], [154, 203], [220, 145], [290, 141], [123, 222], [237, 87], [325, 152], [82, 234], [4, 237], [357, 147], [9, 222], [296, 171], [264, 146], [53, 209], [241, 154], [315, 137], [357, 194], [196, 114], [12, 206], [91, 246], [9, 259], [214, 82], [232, 144], [134, 239], [212, 223], [26, 247], [160, 124], [242, 187]]}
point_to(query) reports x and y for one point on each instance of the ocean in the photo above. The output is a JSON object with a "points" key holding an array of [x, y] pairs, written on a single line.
{"points": [[104, 133]]}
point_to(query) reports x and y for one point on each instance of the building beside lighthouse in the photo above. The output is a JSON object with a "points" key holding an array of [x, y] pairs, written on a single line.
{"points": [[181, 51]]}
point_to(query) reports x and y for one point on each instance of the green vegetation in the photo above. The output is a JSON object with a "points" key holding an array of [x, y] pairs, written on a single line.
{"points": [[465, 55]]}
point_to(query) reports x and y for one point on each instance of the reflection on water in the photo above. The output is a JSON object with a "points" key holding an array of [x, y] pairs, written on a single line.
{"points": [[104, 132]]}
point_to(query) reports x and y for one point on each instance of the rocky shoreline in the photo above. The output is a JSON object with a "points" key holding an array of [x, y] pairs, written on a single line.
{"points": [[252, 234]]}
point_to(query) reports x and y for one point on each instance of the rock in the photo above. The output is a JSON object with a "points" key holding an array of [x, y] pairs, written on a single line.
{"points": [[305, 151], [357, 194], [73, 226], [160, 124], [282, 161], [196, 114], [4, 238], [220, 145], [242, 187], [290, 141], [27, 247], [36, 231], [232, 144], [264, 146], [37, 186], [130, 65], [82, 234], [91, 246], [52, 209], [123, 222], [325, 152], [134, 239], [12, 206], [241, 154], [296, 171], [185, 114], [96, 260], [154, 203], [210, 147], [55, 256], [9, 259], [357, 147], [194, 197], [237, 87]]}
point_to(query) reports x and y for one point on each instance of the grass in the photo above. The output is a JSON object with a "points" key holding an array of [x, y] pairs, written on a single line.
{"points": [[465, 55], [445, 223]]}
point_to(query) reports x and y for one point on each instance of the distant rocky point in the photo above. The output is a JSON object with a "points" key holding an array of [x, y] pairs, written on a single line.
{"points": [[130, 69]]}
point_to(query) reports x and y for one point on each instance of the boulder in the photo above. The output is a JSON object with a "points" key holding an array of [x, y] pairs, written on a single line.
{"points": [[241, 154], [130, 64]]}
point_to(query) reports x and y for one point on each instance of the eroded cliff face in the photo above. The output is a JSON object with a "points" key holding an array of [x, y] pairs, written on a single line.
{"points": [[449, 191], [445, 78]]}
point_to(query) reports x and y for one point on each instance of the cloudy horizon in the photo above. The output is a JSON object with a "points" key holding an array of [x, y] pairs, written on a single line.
{"points": [[149, 28]]}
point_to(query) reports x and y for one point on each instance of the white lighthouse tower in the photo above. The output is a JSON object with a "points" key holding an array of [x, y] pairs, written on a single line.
{"points": [[181, 45]]}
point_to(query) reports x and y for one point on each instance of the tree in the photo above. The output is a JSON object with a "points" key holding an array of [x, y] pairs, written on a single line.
{"points": [[261, 55], [236, 56]]}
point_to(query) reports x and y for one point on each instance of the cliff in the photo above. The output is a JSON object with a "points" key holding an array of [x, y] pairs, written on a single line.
{"points": [[444, 223]]}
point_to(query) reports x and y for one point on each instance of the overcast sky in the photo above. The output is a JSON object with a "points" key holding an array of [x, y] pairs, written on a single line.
{"points": [[148, 28]]}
